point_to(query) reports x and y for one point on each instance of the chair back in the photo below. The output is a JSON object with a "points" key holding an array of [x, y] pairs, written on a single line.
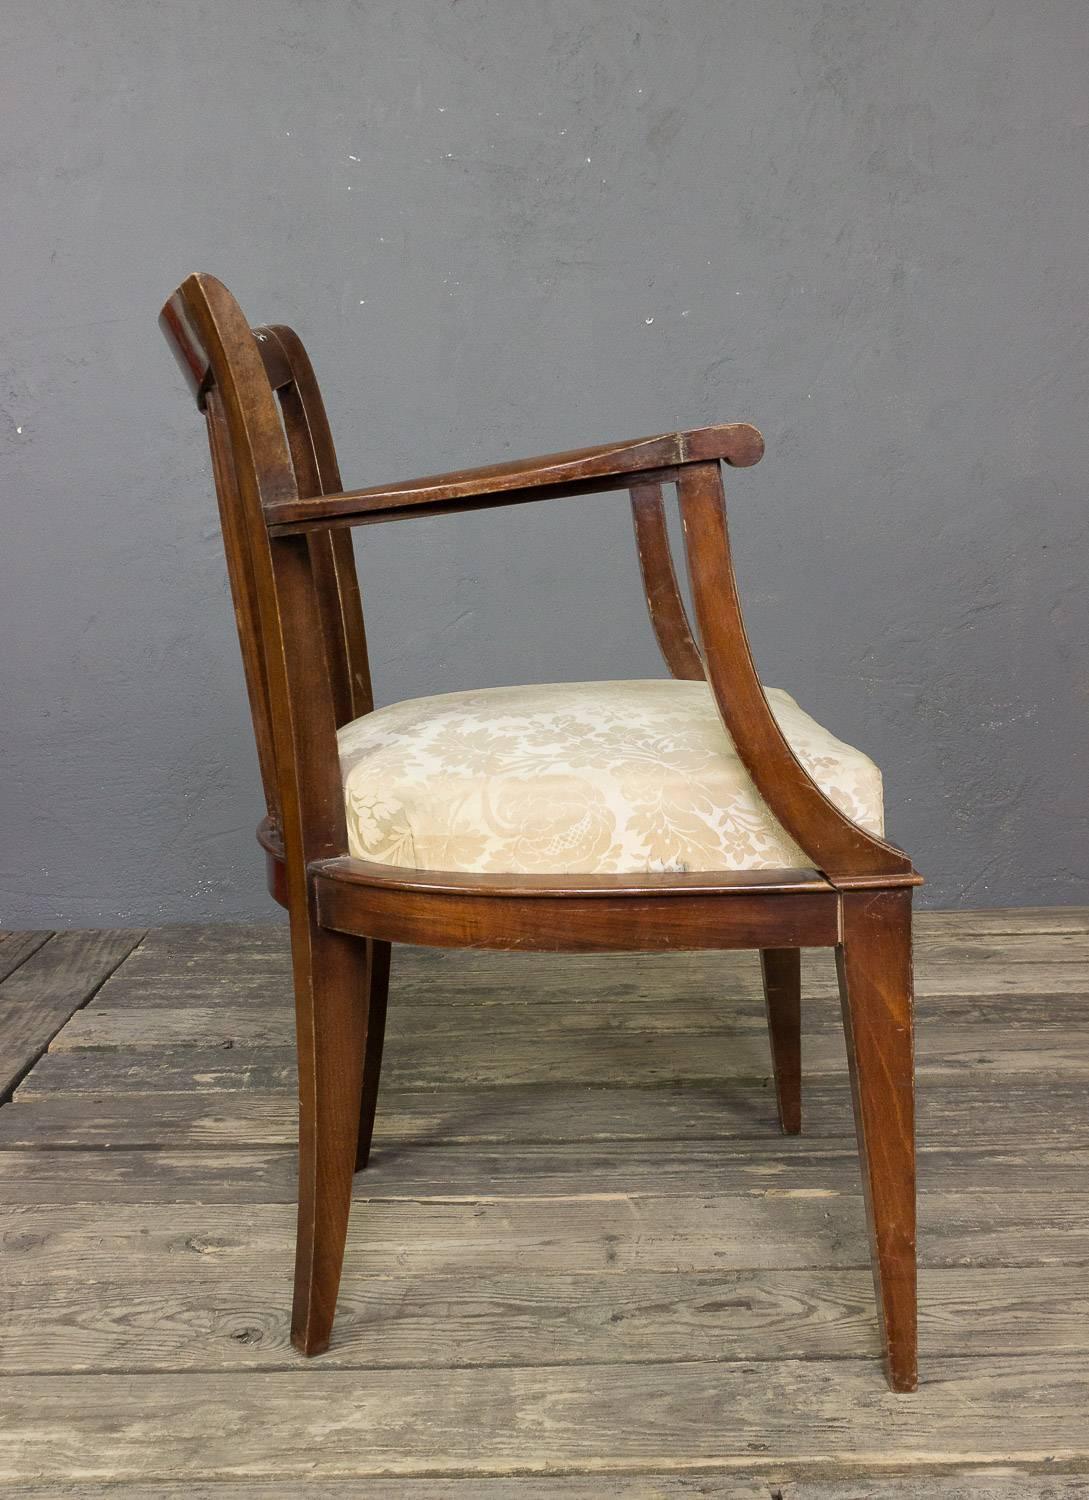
{"points": [[297, 605]]}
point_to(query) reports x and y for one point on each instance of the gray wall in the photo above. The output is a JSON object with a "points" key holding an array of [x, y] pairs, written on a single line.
{"points": [[508, 228]]}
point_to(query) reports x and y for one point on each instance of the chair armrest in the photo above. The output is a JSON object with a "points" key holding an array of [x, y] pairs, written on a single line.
{"points": [[845, 853], [582, 471]]}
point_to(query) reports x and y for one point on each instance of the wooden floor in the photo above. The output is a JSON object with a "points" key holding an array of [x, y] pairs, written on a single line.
{"points": [[583, 1262]]}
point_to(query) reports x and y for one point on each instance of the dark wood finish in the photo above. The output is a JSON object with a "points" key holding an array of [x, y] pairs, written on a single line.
{"points": [[318, 473], [243, 584], [332, 1039], [839, 848], [782, 973], [300, 625], [874, 964], [667, 612], [581, 471], [572, 924], [376, 511], [378, 964]]}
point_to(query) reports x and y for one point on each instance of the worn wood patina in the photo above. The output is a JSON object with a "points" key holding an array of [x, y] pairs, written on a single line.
{"points": [[592, 1255]]}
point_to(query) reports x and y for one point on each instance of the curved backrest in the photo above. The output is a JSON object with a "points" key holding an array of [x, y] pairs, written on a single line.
{"points": [[270, 440], [314, 458]]}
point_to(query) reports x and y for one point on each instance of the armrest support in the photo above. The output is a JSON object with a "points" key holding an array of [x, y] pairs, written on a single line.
{"points": [[583, 471], [843, 851], [664, 603]]}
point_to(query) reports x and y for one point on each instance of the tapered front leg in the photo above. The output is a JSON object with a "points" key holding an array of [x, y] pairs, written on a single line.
{"points": [[330, 1015], [782, 970], [874, 962], [377, 996]]}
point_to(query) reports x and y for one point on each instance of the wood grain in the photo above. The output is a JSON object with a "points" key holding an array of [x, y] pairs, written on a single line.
{"points": [[714, 1246], [1011, 1482], [580, 471], [481, 1421], [986, 1112], [645, 1056], [517, 1318], [668, 615], [874, 963], [217, 1245], [252, 964], [17, 947], [481, 1487], [46, 987], [786, 1165]]}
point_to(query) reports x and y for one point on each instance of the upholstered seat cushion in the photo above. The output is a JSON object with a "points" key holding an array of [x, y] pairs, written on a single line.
{"points": [[579, 778]]}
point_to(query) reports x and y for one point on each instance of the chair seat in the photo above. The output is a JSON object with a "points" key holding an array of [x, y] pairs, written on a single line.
{"points": [[579, 778]]}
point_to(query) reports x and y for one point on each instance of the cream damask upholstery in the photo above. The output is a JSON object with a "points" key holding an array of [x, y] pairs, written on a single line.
{"points": [[579, 778]]}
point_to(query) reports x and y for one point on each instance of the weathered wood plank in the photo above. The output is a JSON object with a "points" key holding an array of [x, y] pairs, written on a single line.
{"points": [[161, 955], [250, 965], [642, 1416], [396, 1322], [977, 1113], [706, 1242], [189, 1070], [102, 1025], [1010, 1483], [216, 1026], [529, 1056], [41, 993], [645, 1060], [788, 1165], [17, 947], [423, 975], [536, 1113], [188, 1242], [213, 1244], [518, 1487], [997, 948], [937, 1482], [181, 940], [954, 978], [1009, 919], [185, 1243]]}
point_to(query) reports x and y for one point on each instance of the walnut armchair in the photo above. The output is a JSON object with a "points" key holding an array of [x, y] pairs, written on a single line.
{"points": [[285, 518]]}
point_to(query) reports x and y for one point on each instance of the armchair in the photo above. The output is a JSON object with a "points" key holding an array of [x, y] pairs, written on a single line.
{"points": [[382, 827]]}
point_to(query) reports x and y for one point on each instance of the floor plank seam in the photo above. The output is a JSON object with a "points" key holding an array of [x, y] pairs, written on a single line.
{"points": [[108, 1302], [6, 1096]]}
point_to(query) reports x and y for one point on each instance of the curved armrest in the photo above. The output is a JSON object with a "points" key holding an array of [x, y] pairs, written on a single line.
{"points": [[582, 471], [839, 848]]}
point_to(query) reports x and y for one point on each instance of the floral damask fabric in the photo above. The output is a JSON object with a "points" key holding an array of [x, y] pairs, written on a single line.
{"points": [[579, 778]]}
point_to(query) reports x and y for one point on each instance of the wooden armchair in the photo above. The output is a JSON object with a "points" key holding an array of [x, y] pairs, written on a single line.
{"points": [[344, 844]]}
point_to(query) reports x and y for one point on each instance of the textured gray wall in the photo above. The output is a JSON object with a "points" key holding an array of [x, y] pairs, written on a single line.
{"points": [[508, 228]]}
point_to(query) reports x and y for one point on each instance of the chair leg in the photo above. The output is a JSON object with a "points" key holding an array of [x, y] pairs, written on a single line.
{"points": [[782, 970], [331, 1021], [874, 963], [378, 994]]}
